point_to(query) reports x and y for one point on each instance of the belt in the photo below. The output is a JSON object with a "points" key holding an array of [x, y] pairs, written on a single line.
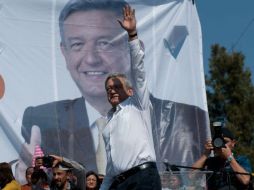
{"points": [[123, 176]]}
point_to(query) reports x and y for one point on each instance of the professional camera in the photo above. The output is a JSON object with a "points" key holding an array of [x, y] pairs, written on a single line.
{"points": [[48, 161], [218, 140]]}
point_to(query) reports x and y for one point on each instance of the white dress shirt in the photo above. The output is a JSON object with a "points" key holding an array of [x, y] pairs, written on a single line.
{"points": [[128, 134]]}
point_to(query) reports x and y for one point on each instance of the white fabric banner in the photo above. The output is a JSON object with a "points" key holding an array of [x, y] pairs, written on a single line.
{"points": [[43, 85]]}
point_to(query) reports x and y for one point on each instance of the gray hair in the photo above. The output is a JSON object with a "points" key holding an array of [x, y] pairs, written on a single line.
{"points": [[127, 82], [86, 5]]}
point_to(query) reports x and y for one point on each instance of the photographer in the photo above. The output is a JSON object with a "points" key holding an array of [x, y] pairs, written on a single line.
{"points": [[229, 171]]}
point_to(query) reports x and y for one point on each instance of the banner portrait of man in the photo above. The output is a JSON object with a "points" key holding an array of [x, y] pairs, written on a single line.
{"points": [[55, 59]]}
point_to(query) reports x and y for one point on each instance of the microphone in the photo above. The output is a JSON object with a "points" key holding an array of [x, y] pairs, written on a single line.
{"points": [[169, 167]]}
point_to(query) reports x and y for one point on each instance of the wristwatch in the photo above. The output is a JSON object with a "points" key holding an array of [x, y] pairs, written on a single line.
{"points": [[230, 158]]}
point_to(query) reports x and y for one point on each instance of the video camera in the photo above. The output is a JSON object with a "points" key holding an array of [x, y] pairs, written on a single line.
{"points": [[218, 140]]}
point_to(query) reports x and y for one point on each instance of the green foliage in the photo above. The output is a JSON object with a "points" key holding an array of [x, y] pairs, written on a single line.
{"points": [[230, 94]]}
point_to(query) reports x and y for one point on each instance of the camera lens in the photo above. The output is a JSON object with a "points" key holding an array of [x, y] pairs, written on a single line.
{"points": [[218, 142]]}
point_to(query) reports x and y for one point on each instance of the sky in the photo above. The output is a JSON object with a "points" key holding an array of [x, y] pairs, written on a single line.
{"points": [[228, 23]]}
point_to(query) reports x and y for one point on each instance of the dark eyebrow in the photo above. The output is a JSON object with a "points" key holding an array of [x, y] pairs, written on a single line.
{"points": [[74, 38]]}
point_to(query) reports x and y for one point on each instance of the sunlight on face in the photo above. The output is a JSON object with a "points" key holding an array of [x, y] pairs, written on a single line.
{"points": [[60, 177], [117, 91], [91, 181]]}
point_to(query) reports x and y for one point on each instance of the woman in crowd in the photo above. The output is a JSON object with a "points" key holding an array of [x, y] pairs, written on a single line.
{"points": [[92, 181], [7, 180], [29, 172]]}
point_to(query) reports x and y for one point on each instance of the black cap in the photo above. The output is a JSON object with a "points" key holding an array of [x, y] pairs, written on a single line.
{"points": [[227, 133]]}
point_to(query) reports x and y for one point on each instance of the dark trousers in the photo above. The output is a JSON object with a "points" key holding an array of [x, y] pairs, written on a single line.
{"points": [[145, 179]]}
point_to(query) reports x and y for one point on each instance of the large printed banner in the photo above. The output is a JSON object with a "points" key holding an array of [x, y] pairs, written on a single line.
{"points": [[55, 56]]}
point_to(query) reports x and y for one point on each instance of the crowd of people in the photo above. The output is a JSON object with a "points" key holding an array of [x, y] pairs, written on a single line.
{"points": [[63, 174], [227, 171]]}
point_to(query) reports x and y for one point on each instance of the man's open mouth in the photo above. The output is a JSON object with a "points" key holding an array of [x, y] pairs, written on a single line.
{"points": [[114, 96]]}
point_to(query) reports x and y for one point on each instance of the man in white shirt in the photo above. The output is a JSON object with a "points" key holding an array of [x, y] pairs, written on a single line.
{"points": [[128, 133]]}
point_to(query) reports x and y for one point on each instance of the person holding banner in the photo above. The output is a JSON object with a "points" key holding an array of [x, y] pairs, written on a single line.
{"points": [[94, 45]]}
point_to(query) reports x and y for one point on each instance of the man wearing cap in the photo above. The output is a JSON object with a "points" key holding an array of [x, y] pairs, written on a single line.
{"points": [[229, 170]]}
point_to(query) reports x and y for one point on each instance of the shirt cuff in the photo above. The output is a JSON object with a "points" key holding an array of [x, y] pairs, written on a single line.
{"points": [[134, 43]]}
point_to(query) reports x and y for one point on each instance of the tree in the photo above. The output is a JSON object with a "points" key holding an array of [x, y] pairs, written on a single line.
{"points": [[230, 94]]}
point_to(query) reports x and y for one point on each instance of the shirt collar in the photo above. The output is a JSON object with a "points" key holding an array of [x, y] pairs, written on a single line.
{"points": [[92, 113], [119, 106]]}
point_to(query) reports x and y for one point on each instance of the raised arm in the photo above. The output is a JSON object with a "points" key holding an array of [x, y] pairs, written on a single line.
{"points": [[137, 56], [201, 161], [69, 162], [227, 155]]}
